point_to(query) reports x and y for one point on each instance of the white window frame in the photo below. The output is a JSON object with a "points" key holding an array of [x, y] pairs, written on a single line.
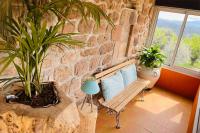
{"points": [[152, 30]]}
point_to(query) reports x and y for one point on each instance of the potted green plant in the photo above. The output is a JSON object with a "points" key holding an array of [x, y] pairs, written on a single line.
{"points": [[151, 59], [26, 38]]}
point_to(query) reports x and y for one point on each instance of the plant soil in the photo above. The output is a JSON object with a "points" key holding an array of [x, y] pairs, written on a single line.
{"points": [[48, 97]]}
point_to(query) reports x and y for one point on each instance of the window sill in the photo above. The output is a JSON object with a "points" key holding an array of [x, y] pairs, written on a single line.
{"points": [[184, 71]]}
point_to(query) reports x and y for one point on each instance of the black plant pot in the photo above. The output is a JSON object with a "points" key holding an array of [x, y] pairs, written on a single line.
{"points": [[48, 97]]}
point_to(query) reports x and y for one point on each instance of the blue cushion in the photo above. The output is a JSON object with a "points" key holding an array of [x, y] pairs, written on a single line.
{"points": [[112, 86], [129, 74]]}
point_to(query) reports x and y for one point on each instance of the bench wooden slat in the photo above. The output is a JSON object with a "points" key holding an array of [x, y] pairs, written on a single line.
{"points": [[120, 96], [126, 95], [110, 70], [130, 92], [128, 99], [139, 81]]}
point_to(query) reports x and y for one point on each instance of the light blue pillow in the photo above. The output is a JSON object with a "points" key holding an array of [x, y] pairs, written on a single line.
{"points": [[129, 74], [112, 86]]}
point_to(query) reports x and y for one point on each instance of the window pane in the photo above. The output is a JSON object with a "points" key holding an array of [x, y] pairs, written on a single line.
{"points": [[188, 55], [167, 31]]}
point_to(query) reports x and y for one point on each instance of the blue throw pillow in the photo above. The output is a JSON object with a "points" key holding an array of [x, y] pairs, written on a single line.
{"points": [[129, 74], [112, 86]]}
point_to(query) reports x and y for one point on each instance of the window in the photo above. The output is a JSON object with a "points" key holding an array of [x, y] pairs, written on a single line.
{"points": [[167, 31], [177, 32], [189, 50]]}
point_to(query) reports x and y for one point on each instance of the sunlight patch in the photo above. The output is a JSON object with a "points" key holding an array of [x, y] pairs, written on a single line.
{"points": [[177, 119], [156, 103]]}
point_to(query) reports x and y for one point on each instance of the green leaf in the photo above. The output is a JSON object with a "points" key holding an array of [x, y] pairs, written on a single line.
{"points": [[19, 70], [7, 62]]}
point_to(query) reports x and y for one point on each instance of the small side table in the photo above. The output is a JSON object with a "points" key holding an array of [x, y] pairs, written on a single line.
{"points": [[88, 118]]}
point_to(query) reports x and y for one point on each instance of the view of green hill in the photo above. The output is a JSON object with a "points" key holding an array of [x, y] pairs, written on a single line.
{"points": [[192, 26], [166, 36]]}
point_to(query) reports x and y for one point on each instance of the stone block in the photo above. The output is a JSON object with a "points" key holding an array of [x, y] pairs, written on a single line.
{"points": [[85, 27], [103, 38], [81, 68], [151, 12], [47, 62], [141, 19], [69, 57], [107, 59], [65, 87], [109, 29], [149, 2], [125, 33], [146, 11], [75, 84], [114, 16], [106, 48], [89, 52], [97, 1], [103, 6], [92, 41], [122, 49], [139, 5], [62, 73], [82, 38], [133, 17], [128, 17], [136, 40], [74, 15], [116, 33], [136, 29], [9, 71], [69, 27], [94, 63], [102, 28]]}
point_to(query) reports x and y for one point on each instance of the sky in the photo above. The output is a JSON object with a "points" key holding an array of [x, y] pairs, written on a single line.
{"points": [[177, 16]]}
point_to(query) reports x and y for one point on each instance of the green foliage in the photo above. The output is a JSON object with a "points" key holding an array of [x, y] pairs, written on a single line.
{"points": [[151, 57], [194, 44], [189, 50], [26, 39], [195, 66], [164, 36]]}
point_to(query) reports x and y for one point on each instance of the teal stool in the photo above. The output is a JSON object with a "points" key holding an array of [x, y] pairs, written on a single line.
{"points": [[90, 88]]}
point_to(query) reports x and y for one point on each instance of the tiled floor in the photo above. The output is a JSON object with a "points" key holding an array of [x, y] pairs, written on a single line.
{"points": [[161, 112]]}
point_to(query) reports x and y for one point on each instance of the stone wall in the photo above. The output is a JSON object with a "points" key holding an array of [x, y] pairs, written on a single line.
{"points": [[105, 46]]}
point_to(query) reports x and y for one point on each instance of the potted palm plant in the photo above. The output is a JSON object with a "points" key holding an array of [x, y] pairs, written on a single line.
{"points": [[26, 38], [151, 59]]}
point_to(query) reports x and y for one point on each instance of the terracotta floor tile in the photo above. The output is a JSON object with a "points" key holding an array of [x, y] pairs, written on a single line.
{"points": [[161, 112]]}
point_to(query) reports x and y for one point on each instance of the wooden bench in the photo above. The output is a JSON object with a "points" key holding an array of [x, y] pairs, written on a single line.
{"points": [[117, 103]]}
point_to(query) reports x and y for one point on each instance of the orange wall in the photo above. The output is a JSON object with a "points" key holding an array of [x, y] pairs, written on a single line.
{"points": [[179, 83], [192, 115]]}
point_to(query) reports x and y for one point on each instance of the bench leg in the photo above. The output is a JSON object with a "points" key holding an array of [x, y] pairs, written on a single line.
{"points": [[99, 106], [142, 96], [110, 112], [117, 120], [122, 110]]}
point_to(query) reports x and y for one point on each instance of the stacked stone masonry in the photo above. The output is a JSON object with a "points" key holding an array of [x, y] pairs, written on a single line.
{"points": [[105, 46]]}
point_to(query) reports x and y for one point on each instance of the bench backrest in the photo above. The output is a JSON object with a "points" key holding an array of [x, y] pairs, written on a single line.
{"points": [[113, 70]]}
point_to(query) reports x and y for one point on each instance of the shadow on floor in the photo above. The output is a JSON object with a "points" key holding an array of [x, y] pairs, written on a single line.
{"points": [[161, 112]]}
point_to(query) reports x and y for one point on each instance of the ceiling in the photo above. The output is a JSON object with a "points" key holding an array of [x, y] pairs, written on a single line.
{"points": [[188, 4]]}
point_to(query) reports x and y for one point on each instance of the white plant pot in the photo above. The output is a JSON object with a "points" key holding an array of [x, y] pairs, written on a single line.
{"points": [[149, 74]]}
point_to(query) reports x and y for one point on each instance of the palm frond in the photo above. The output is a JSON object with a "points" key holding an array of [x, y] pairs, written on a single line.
{"points": [[28, 37]]}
